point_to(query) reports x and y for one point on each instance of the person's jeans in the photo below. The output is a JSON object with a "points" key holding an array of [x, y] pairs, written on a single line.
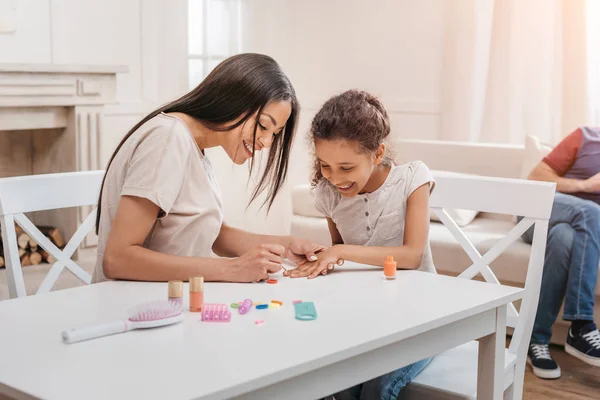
{"points": [[570, 265], [385, 387]]}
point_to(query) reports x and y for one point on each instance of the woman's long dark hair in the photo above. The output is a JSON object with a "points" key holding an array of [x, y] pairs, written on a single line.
{"points": [[235, 90]]}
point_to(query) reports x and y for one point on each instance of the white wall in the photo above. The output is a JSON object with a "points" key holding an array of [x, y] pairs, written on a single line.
{"points": [[148, 36], [593, 44], [392, 48]]}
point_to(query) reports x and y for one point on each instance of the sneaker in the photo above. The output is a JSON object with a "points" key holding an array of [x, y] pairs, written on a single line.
{"points": [[538, 356], [585, 345]]}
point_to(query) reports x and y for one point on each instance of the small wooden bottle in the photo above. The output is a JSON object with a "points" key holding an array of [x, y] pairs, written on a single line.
{"points": [[176, 293], [196, 293]]}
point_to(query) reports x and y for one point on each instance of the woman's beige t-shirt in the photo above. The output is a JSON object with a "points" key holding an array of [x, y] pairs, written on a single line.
{"points": [[161, 162]]}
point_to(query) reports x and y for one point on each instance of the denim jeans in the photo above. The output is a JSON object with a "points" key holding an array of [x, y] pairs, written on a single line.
{"points": [[385, 387], [570, 265]]}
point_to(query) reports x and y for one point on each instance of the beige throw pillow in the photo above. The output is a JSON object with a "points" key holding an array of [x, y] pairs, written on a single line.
{"points": [[535, 151]]}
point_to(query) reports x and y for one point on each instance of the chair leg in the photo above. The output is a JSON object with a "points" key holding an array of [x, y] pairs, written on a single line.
{"points": [[516, 389], [14, 273]]}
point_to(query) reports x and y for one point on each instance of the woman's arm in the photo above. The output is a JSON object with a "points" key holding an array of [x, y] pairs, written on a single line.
{"points": [[126, 258], [407, 256], [233, 242]]}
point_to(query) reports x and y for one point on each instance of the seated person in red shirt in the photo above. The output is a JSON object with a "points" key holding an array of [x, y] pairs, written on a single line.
{"points": [[572, 251]]}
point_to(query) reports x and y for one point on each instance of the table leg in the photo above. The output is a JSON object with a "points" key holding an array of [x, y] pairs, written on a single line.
{"points": [[490, 369]]}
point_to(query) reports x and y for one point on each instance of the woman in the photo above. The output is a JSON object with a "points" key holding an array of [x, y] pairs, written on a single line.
{"points": [[159, 213]]}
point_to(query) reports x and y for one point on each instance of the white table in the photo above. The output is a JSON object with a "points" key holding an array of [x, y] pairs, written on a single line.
{"points": [[366, 327]]}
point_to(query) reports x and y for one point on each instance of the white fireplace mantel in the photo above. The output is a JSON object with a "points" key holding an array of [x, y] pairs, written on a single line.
{"points": [[36, 96], [64, 68], [52, 116]]}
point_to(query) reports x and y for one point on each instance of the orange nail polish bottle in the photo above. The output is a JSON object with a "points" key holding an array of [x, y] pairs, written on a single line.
{"points": [[389, 268], [196, 293]]}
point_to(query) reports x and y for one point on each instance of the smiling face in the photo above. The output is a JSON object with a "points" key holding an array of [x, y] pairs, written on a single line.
{"points": [[271, 122], [347, 166]]}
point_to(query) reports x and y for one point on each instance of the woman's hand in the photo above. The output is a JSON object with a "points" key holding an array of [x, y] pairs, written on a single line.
{"points": [[300, 251], [256, 264], [326, 261]]}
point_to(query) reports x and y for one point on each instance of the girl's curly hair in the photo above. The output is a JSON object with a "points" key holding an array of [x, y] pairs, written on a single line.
{"points": [[353, 115]]}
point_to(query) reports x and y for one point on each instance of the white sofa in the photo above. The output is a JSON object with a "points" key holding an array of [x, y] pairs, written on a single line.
{"points": [[484, 231]]}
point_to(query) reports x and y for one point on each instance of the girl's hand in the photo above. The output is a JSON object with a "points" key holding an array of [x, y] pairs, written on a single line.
{"points": [[302, 251], [326, 261]]}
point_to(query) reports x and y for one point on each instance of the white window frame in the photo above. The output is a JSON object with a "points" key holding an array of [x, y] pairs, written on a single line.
{"points": [[234, 45]]}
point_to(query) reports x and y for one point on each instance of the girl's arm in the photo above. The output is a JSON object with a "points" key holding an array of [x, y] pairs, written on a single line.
{"points": [[336, 237], [233, 242], [126, 258], [407, 256]]}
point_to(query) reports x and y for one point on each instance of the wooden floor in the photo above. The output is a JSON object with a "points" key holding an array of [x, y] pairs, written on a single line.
{"points": [[579, 381]]}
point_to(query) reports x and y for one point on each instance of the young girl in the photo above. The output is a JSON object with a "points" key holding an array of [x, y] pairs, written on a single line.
{"points": [[373, 207]]}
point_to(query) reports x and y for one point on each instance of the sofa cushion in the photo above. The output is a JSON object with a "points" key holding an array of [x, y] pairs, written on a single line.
{"points": [[311, 228], [303, 202]]}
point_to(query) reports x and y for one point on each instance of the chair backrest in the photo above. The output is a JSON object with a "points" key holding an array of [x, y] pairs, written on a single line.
{"points": [[530, 200], [20, 195]]}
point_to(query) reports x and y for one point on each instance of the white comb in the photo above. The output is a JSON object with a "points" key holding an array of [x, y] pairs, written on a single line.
{"points": [[149, 315]]}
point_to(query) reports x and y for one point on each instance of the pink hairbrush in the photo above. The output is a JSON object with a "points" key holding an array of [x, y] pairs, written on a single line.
{"points": [[215, 313], [148, 315], [245, 306]]}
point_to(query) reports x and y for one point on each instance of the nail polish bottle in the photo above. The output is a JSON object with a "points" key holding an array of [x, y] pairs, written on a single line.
{"points": [[196, 293], [176, 293], [389, 268]]}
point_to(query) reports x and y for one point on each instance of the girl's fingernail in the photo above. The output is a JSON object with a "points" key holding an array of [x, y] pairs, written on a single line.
{"points": [[313, 258]]}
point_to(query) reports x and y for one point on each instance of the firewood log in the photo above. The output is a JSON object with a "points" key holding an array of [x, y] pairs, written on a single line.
{"points": [[25, 261], [35, 258], [23, 240], [54, 235], [46, 257]]}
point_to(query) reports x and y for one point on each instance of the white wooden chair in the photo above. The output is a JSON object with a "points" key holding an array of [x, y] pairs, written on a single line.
{"points": [[32, 193], [453, 374]]}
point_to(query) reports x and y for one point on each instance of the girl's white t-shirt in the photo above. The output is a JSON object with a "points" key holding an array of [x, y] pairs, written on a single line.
{"points": [[161, 162], [377, 218]]}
